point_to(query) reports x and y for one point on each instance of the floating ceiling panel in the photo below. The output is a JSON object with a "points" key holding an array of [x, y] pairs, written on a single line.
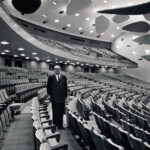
{"points": [[120, 18], [140, 26], [101, 24], [147, 57], [74, 6], [147, 16], [143, 39], [131, 10]]}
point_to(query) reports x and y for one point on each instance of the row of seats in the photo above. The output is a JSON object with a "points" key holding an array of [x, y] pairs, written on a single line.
{"points": [[46, 136]]}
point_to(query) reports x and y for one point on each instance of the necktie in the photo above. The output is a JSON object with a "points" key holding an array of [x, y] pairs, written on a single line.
{"points": [[58, 78]]}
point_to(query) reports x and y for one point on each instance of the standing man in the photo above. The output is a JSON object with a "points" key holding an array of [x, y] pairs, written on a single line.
{"points": [[57, 89]]}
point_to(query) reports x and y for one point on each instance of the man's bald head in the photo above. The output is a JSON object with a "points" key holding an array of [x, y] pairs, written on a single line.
{"points": [[57, 69]]}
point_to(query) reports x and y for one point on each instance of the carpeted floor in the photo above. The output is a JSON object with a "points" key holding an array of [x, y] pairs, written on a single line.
{"points": [[19, 135]]}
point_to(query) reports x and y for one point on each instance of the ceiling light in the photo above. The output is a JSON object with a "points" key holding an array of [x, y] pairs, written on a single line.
{"points": [[7, 51], [48, 60], [44, 15], [20, 49], [113, 6], [147, 51], [68, 25], [60, 61], [133, 52], [56, 62], [91, 31], [124, 67], [82, 64], [3, 53], [15, 55], [105, 1], [57, 20], [77, 63], [130, 4], [80, 28], [117, 28], [102, 34], [54, 3], [112, 35], [77, 14], [22, 55], [27, 58], [97, 65], [87, 64], [4, 42], [133, 37], [34, 53], [87, 19], [68, 61]]}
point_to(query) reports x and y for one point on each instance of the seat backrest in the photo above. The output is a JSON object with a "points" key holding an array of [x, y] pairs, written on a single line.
{"points": [[98, 140]]}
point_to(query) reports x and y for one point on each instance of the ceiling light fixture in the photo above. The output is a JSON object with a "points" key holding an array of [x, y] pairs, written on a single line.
{"points": [[112, 35], [27, 58], [68, 25], [4, 42], [20, 49], [80, 28], [34, 53], [77, 14], [3, 53], [7, 51], [133, 52], [22, 55], [102, 34], [87, 19], [57, 20], [91, 31], [54, 3], [15, 55], [105, 1], [117, 28], [147, 51], [44, 15]]}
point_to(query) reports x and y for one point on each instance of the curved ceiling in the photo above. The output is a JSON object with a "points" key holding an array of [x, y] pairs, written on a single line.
{"points": [[57, 15]]}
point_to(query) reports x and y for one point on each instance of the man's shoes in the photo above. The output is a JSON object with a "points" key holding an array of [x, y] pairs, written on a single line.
{"points": [[61, 128]]}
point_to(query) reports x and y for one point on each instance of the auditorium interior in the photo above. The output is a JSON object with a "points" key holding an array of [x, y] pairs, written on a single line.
{"points": [[103, 49]]}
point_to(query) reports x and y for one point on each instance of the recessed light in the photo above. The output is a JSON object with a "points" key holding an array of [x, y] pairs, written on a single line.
{"points": [[133, 52], [22, 54], [34, 53], [44, 15], [105, 1], [91, 31], [7, 51], [80, 28], [68, 25], [20, 49], [113, 6], [27, 58], [67, 61], [15, 55], [112, 35], [48, 60], [130, 4], [117, 28], [77, 14], [54, 3], [87, 19], [56, 62], [4, 42], [102, 34], [77, 63], [3, 53], [124, 67], [57, 20], [82, 64], [147, 51], [133, 37], [60, 61]]}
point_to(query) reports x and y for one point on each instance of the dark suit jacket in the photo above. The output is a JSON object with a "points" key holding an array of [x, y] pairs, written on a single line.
{"points": [[57, 89]]}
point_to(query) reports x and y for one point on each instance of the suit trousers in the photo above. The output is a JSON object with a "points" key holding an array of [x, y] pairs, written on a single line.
{"points": [[58, 112]]}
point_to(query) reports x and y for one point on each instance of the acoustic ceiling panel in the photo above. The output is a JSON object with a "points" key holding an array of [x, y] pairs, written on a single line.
{"points": [[131, 10], [140, 26], [143, 39], [147, 16], [101, 24], [146, 57], [75, 6], [120, 18]]}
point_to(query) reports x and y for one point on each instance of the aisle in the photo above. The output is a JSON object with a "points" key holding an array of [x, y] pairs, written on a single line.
{"points": [[19, 135]]}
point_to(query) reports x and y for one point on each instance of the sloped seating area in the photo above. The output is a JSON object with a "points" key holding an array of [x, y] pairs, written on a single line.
{"points": [[46, 136], [118, 109]]}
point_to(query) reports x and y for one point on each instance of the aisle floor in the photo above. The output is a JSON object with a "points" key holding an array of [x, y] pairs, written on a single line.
{"points": [[20, 136]]}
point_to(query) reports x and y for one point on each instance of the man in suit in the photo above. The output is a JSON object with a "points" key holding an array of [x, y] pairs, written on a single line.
{"points": [[57, 89]]}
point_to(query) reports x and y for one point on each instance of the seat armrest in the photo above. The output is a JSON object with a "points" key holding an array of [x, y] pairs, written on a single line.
{"points": [[52, 127], [54, 135], [62, 146]]}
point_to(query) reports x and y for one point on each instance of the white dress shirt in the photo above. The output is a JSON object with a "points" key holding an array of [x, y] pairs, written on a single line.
{"points": [[57, 77]]}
